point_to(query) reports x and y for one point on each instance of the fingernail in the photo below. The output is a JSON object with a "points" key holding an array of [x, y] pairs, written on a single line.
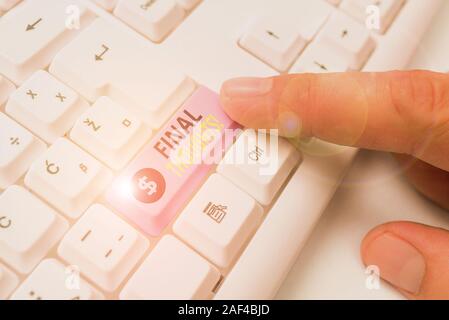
{"points": [[247, 87], [399, 262]]}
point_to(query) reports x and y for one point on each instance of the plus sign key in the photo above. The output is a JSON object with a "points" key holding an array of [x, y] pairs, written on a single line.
{"points": [[162, 178]]}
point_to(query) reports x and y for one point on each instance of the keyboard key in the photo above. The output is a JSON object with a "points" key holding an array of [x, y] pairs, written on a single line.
{"points": [[155, 19], [28, 229], [18, 149], [349, 39], [110, 133], [8, 282], [334, 2], [106, 4], [68, 178], [388, 9], [319, 58], [259, 164], [51, 280], [273, 41], [97, 63], [172, 271], [103, 246], [45, 106], [32, 34], [307, 16], [188, 4], [6, 87], [219, 220], [159, 181]]}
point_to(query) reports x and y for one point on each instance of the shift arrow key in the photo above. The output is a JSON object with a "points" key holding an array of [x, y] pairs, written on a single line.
{"points": [[33, 26]]}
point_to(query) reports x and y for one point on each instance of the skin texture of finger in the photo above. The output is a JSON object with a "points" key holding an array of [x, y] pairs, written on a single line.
{"points": [[432, 182], [402, 112], [412, 257]]}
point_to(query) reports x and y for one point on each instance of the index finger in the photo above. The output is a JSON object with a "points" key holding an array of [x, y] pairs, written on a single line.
{"points": [[403, 112]]}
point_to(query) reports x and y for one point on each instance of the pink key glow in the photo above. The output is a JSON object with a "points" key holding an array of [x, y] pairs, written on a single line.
{"points": [[154, 187]]}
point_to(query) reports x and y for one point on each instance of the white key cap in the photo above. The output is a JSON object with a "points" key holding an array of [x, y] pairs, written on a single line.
{"points": [[103, 246], [8, 282], [188, 4], [6, 87], [363, 9], [110, 133], [106, 60], [28, 228], [273, 41], [51, 280], [219, 220], [5, 5], [172, 271], [349, 39], [155, 19], [18, 149], [259, 165], [107, 4], [45, 106], [68, 178], [31, 35], [319, 58]]}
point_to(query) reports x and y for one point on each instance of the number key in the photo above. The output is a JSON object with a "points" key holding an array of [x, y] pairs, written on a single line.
{"points": [[348, 38], [275, 43]]}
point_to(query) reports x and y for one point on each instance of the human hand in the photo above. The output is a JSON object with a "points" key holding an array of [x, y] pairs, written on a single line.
{"points": [[406, 113]]}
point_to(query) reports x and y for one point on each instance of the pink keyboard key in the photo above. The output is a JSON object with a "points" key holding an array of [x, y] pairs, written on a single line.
{"points": [[155, 186]]}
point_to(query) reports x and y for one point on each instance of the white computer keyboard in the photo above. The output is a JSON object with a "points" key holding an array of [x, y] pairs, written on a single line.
{"points": [[91, 94]]}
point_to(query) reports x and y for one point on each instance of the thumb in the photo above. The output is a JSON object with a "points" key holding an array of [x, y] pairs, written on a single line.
{"points": [[412, 257]]}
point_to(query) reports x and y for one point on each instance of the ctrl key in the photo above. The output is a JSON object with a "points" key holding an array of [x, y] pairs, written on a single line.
{"points": [[172, 271]]}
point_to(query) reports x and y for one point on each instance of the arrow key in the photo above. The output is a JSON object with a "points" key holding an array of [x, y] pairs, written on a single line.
{"points": [[349, 39], [274, 42], [319, 58], [68, 178]]}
